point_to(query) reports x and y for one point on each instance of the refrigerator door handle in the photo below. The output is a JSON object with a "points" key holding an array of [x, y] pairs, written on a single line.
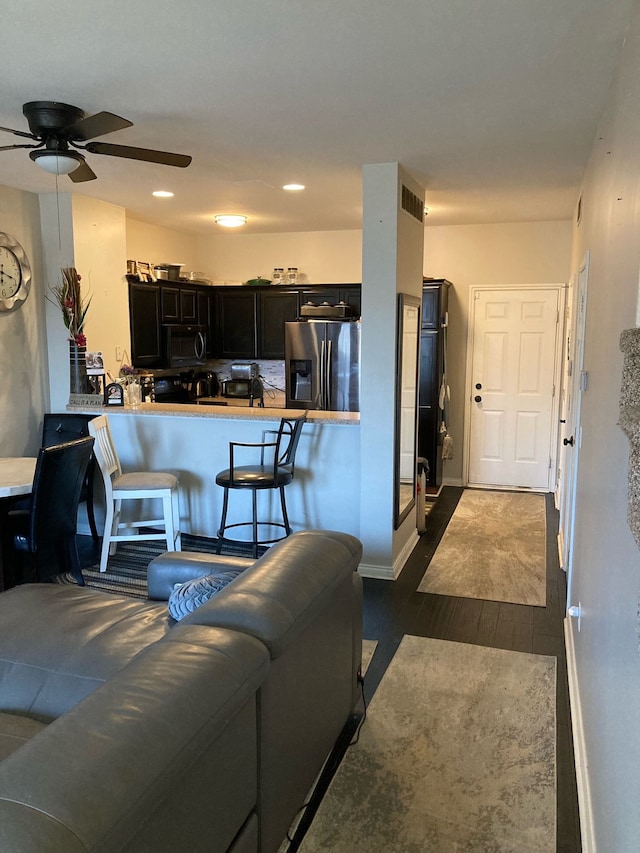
{"points": [[323, 379], [328, 378]]}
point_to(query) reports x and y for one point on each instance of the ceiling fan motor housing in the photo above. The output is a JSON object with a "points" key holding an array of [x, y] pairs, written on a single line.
{"points": [[47, 117]]}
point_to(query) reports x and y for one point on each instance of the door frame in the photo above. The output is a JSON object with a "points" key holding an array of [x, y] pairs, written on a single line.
{"points": [[567, 500], [560, 289]]}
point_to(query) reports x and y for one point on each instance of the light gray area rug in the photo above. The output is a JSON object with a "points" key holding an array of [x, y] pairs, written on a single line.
{"points": [[368, 649], [457, 754], [494, 548]]}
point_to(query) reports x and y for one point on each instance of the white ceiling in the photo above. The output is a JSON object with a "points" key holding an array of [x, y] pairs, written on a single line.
{"points": [[493, 106]]}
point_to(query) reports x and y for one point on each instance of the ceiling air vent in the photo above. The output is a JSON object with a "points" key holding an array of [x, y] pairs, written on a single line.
{"points": [[412, 204]]}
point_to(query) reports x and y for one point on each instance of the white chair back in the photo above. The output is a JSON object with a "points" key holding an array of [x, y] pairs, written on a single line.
{"points": [[104, 448]]}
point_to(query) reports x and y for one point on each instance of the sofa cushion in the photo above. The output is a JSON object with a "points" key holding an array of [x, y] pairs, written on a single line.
{"points": [[16, 730], [59, 642], [187, 596]]}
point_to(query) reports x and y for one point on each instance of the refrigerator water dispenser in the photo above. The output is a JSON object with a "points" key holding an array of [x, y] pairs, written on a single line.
{"points": [[300, 379]]}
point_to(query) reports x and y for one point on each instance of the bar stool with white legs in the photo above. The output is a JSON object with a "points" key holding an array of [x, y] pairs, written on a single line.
{"points": [[137, 485]]}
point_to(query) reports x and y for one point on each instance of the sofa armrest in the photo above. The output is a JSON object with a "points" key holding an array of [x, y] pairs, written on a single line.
{"points": [[173, 567], [281, 595]]}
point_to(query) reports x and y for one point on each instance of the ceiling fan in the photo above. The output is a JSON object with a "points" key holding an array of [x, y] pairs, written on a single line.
{"points": [[58, 129]]}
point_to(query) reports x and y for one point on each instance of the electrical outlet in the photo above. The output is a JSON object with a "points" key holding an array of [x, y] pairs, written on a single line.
{"points": [[118, 353]]}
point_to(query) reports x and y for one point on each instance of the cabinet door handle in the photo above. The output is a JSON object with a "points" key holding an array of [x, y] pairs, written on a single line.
{"points": [[569, 440], [478, 398]]}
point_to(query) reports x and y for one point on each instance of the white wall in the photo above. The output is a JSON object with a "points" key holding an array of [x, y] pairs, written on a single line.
{"points": [[89, 235], [322, 257], [23, 378], [606, 559], [157, 245]]}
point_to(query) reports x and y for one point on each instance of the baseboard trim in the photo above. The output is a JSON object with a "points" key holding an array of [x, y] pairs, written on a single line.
{"points": [[384, 573], [587, 833]]}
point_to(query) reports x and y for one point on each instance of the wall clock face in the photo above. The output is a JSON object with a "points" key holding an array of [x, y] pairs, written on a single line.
{"points": [[15, 274]]}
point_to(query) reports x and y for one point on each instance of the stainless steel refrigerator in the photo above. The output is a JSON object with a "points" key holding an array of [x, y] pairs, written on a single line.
{"points": [[322, 365]]}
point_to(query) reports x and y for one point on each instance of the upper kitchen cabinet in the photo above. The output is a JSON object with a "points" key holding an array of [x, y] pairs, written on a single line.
{"points": [[179, 304], [206, 310], [275, 308], [144, 320], [237, 326], [251, 322], [333, 293]]}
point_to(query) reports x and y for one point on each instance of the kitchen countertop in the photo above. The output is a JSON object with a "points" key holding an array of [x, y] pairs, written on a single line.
{"points": [[235, 412]]}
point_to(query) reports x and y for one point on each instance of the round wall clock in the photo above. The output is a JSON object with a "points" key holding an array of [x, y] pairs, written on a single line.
{"points": [[15, 273]]}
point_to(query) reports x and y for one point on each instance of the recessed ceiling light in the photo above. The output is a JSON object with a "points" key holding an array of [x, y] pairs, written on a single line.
{"points": [[162, 194], [293, 187], [230, 220]]}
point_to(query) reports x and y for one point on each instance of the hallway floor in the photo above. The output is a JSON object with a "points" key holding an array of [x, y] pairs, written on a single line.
{"points": [[395, 609]]}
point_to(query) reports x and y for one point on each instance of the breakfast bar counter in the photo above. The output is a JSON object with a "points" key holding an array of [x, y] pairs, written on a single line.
{"points": [[193, 440]]}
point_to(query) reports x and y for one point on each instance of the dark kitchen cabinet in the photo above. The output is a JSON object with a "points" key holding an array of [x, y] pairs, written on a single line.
{"points": [[251, 322], [433, 339], [144, 323], [188, 305], [206, 305], [170, 302], [275, 308], [179, 304], [319, 293], [237, 323]]}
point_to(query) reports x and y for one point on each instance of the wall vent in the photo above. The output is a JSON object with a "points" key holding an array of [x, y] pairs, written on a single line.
{"points": [[412, 204]]}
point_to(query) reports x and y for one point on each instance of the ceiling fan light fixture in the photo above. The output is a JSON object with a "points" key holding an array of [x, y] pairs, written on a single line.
{"points": [[293, 188], [57, 163], [162, 194], [230, 220]]}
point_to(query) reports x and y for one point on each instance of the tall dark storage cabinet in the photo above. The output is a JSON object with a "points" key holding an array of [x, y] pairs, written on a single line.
{"points": [[435, 318]]}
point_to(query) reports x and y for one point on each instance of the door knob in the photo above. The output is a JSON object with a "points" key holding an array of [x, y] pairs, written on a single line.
{"points": [[566, 441], [478, 398]]}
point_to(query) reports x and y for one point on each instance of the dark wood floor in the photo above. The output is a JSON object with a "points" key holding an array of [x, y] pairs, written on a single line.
{"points": [[392, 610]]}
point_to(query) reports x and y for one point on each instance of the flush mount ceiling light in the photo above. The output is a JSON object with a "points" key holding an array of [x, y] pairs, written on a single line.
{"points": [[162, 194], [230, 220], [57, 163], [293, 187]]}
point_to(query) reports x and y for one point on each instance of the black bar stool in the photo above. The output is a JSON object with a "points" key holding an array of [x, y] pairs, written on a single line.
{"points": [[268, 474]]}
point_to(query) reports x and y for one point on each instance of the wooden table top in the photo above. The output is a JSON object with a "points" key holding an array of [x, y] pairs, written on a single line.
{"points": [[16, 475]]}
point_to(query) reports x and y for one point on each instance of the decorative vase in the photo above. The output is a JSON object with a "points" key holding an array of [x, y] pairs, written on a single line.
{"points": [[78, 382]]}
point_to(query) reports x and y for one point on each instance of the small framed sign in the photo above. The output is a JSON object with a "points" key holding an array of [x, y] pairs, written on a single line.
{"points": [[114, 394]]}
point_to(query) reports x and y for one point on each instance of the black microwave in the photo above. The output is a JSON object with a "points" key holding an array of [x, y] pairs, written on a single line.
{"points": [[184, 346]]}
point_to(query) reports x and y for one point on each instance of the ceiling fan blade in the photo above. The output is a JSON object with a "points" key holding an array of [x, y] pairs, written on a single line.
{"points": [[96, 125], [18, 132], [84, 172], [9, 147], [146, 154]]}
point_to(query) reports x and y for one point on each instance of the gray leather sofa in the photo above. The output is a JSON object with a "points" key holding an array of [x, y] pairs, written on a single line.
{"points": [[120, 730]]}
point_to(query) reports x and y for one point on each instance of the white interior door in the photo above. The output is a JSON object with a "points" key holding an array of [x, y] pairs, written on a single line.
{"points": [[513, 369], [575, 385]]}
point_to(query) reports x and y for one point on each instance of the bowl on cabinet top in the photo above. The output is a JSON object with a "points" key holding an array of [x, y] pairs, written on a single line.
{"points": [[256, 282]]}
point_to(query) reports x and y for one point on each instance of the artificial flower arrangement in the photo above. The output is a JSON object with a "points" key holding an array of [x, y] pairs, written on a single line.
{"points": [[69, 300]]}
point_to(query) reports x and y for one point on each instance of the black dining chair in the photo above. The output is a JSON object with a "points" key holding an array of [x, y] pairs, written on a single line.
{"points": [[69, 426], [47, 530], [275, 470]]}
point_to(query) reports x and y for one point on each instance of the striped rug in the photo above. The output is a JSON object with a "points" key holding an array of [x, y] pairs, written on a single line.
{"points": [[126, 572]]}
